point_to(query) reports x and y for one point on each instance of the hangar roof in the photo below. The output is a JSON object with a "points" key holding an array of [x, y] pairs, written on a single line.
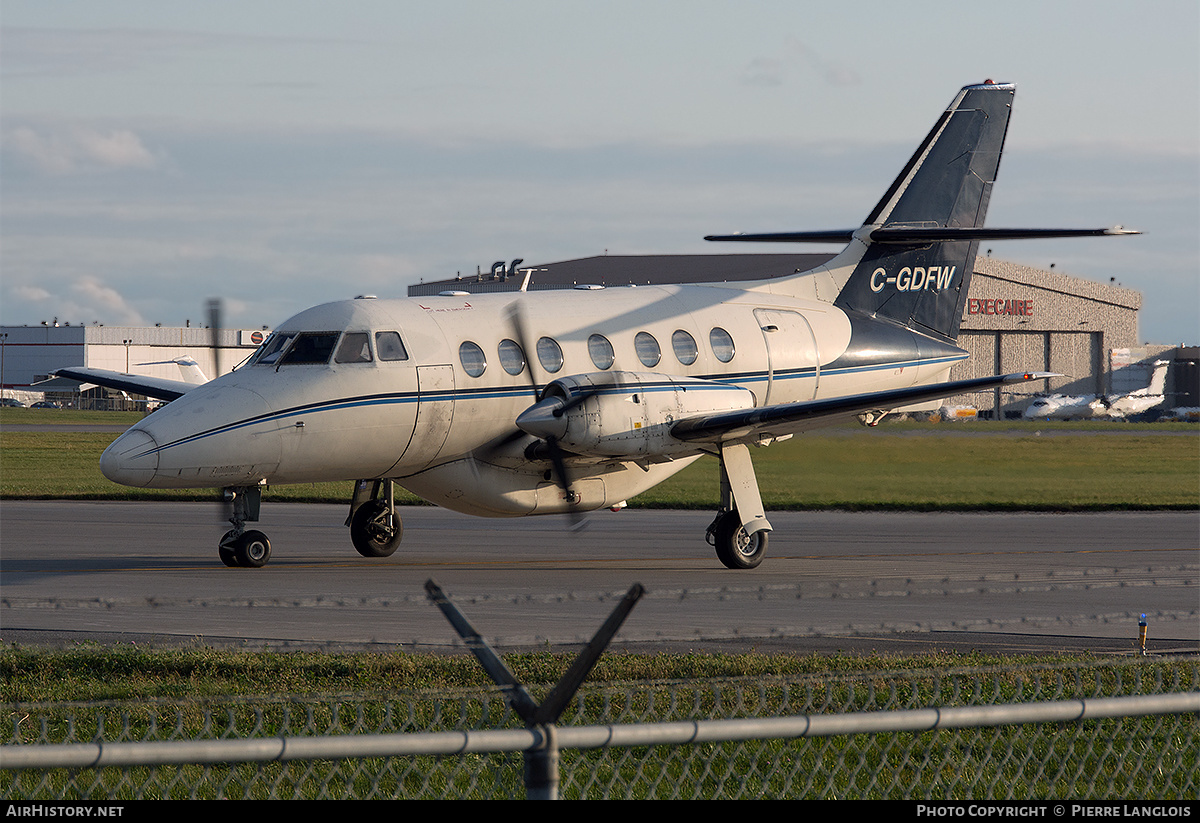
{"points": [[669, 269], [631, 270]]}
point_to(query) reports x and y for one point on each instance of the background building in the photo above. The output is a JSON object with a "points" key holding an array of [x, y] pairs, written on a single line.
{"points": [[29, 353], [1017, 318]]}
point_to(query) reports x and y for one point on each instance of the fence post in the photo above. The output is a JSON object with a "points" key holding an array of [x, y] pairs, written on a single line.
{"points": [[541, 767], [541, 761]]}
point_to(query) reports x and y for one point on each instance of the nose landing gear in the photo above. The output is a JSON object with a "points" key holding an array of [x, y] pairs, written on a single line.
{"points": [[241, 547]]}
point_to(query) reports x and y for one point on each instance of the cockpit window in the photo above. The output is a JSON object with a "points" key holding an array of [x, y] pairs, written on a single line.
{"points": [[389, 346], [268, 355], [310, 348], [354, 348]]}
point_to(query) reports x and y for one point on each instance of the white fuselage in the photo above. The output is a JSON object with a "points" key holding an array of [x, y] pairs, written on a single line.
{"points": [[445, 429]]}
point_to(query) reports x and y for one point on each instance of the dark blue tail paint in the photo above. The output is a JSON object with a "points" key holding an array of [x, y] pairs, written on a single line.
{"points": [[921, 283], [911, 261]]}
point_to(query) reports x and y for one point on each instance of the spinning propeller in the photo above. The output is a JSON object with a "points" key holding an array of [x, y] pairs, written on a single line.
{"points": [[546, 419], [225, 497]]}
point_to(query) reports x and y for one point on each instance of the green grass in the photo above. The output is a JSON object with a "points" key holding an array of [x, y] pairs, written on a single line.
{"points": [[134, 694], [93, 673], [902, 465], [986, 468]]}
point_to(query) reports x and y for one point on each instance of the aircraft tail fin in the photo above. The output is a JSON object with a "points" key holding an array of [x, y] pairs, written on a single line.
{"points": [[912, 259], [1158, 378], [918, 280]]}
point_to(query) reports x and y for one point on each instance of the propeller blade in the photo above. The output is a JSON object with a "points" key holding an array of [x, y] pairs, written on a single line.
{"points": [[564, 481], [214, 327], [516, 316]]}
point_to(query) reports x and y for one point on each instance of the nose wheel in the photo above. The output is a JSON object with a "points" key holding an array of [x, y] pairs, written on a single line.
{"points": [[242, 547], [250, 549]]}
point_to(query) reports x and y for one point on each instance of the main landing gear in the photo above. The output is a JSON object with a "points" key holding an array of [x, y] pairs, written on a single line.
{"points": [[736, 548], [740, 531], [375, 527]]}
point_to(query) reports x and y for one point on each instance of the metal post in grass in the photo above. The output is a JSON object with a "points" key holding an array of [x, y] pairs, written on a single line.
{"points": [[541, 761]]}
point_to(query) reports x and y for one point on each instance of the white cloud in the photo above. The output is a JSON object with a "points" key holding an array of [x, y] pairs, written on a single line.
{"points": [[80, 149], [97, 296], [34, 294], [85, 300]]}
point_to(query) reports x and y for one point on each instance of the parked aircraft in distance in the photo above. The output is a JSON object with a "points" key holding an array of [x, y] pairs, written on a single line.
{"points": [[189, 369], [1101, 406], [561, 402]]}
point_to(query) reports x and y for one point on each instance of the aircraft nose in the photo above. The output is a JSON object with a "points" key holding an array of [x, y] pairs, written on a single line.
{"points": [[131, 459]]}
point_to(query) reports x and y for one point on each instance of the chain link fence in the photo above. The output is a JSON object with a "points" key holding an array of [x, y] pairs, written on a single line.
{"points": [[1023, 733]]}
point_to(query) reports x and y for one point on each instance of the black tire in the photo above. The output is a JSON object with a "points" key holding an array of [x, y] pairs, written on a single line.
{"points": [[370, 532], [252, 550], [226, 551], [735, 548]]}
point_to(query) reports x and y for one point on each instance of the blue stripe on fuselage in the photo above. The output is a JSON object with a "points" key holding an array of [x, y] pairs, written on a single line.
{"points": [[498, 392]]}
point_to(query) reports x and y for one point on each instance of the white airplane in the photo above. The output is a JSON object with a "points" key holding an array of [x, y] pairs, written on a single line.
{"points": [[562, 402], [1100, 406]]}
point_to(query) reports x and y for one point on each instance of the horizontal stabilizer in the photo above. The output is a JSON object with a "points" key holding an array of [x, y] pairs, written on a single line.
{"points": [[832, 236], [916, 235], [900, 234]]}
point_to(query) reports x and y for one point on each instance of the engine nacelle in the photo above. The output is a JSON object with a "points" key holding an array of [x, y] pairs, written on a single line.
{"points": [[626, 414]]}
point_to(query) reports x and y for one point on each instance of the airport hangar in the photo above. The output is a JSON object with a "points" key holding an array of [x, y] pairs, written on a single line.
{"points": [[1017, 318]]}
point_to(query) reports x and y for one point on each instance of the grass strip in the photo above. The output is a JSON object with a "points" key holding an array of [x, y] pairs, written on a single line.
{"points": [[916, 466]]}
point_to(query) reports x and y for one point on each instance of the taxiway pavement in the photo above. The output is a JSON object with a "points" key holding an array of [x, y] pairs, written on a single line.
{"points": [[148, 572]]}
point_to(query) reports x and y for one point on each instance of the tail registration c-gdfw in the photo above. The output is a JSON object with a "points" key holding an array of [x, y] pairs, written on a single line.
{"points": [[563, 402]]}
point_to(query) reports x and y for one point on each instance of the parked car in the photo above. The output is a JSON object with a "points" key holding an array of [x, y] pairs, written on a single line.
{"points": [[8, 402], [45, 404]]}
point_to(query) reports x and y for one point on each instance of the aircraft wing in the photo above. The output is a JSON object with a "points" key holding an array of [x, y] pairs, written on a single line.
{"points": [[159, 388], [791, 418]]}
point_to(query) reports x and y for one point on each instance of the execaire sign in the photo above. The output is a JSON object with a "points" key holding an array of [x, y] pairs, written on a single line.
{"points": [[1000, 306]]}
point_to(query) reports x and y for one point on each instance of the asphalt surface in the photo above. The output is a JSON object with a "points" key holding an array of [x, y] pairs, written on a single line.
{"points": [[833, 582]]}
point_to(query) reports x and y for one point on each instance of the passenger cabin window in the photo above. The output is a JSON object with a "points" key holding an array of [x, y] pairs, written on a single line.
{"points": [[722, 344], [389, 346], [601, 351], [354, 348], [310, 348], [647, 349], [549, 354], [512, 359], [685, 347], [472, 358]]}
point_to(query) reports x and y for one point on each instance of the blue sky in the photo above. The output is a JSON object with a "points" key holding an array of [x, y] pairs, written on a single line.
{"points": [[281, 154]]}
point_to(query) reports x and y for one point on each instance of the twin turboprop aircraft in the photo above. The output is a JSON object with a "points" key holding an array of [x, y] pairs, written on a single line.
{"points": [[1102, 406], [560, 402]]}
